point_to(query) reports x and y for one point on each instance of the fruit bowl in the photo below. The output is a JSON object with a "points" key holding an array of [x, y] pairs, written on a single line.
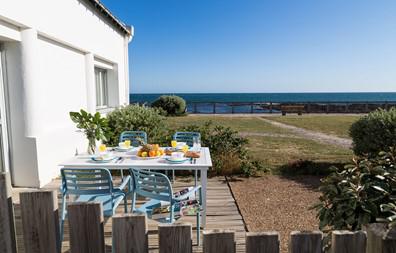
{"points": [[150, 151]]}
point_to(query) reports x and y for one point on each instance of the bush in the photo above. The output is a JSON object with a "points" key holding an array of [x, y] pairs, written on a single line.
{"points": [[227, 148], [374, 132], [353, 196], [136, 118], [172, 105]]}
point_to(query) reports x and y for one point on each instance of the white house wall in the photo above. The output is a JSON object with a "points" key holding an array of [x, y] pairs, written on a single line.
{"points": [[56, 44]]}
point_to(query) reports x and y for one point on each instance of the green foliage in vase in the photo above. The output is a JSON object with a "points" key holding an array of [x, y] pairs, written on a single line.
{"points": [[94, 127]]}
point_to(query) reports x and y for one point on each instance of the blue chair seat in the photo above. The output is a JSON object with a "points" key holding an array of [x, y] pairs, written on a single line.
{"points": [[106, 200]]}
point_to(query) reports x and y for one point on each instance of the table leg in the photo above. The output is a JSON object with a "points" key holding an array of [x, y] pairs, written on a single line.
{"points": [[204, 182]]}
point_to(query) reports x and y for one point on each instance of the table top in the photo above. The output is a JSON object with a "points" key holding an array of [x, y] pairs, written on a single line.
{"points": [[132, 161]]}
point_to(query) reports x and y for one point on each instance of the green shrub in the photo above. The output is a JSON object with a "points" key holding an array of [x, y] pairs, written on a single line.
{"points": [[136, 118], [353, 196], [374, 132], [172, 105], [228, 150]]}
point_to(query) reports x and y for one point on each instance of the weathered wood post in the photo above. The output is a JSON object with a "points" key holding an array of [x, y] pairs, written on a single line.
{"points": [[130, 233], [348, 241], [346, 107], [218, 241], [251, 108], [175, 238], [380, 239], [40, 221], [301, 242], [214, 108], [265, 242], [7, 224], [86, 227]]}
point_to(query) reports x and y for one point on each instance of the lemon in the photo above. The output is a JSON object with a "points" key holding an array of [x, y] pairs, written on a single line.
{"points": [[144, 154]]}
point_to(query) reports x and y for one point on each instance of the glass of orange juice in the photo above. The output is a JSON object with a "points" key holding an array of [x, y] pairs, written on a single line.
{"points": [[173, 143], [102, 148], [127, 143]]}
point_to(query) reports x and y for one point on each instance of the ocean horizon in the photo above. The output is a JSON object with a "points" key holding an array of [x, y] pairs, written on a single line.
{"points": [[206, 100]]}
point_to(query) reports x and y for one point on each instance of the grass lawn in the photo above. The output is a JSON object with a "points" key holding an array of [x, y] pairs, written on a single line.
{"points": [[337, 125], [241, 124], [283, 148]]}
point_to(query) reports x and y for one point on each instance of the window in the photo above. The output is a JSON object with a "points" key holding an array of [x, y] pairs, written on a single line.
{"points": [[102, 91]]}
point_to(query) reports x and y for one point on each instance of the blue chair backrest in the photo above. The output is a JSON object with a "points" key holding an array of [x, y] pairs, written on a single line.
{"points": [[152, 185], [86, 181], [134, 137], [187, 137]]}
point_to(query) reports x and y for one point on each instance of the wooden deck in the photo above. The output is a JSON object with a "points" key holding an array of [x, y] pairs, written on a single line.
{"points": [[222, 213]]}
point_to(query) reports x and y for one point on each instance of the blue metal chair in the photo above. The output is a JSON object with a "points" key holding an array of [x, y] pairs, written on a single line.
{"points": [[134, 137], [188, 138], [93, 185], [158, 188]]}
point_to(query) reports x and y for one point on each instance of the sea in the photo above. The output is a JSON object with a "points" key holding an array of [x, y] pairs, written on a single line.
{"points": [[222, 100]]}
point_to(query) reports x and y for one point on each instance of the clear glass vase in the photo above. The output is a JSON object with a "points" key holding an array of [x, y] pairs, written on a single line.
{"points": [[91, 146]]}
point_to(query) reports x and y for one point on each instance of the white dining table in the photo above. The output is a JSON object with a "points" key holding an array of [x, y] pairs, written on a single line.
{"points": [[130, 161]]}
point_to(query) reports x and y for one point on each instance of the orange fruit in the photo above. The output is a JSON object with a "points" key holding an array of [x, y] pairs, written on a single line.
{"points": [[152, 153]]}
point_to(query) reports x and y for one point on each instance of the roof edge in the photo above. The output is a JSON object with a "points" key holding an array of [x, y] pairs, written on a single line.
{"points": [[126, 29]]}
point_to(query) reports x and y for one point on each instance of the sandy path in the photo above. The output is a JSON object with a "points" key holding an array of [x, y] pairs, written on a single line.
{"points": [[313, 135]]}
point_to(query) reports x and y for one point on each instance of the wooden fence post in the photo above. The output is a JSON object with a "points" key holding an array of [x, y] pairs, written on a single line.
{"points": [[265, 242], [7, 224], [270, 107], [214, 108], [348, 242], [301, 242], [130, 233], [86, 227], [175, 238], [380, 239], [40, 221], [218, 241]]}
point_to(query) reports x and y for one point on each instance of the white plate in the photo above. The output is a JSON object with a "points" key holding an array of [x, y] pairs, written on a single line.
{"points": [[119, 149], [178, 160], [101, 159]]}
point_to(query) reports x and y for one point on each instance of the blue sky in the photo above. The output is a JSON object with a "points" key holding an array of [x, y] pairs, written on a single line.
{"points": [[260, 45]]}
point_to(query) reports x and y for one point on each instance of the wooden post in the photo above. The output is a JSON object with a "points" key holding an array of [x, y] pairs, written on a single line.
{"points": [[380, 239], [251, 108], [7, 224], [301, 242], [327, 108], [271, 107], [265, 242], [348, 242], [40, 221], [232, 108], [86, 227], [130, 233], [175, 238], [309, 108], [218, 241], [214, 108], [346, 108]]}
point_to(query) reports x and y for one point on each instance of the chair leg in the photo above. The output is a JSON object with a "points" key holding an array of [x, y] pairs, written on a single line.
{"points": [[133, 202], [172, 214], [126, 204], [62, 222], [198, 228], [173, 176], [122, 175]]}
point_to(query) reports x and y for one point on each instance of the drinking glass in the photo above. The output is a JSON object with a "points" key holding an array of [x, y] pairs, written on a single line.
{"points": [[197, 143], [102, 148], [127, 143], [174, 143]]}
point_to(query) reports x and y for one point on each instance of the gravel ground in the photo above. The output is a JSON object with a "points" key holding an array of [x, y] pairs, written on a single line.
{"points": [[274, 203]]}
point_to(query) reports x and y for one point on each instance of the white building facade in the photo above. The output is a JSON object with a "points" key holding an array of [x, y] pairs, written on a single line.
{"points": [[57, 56]]}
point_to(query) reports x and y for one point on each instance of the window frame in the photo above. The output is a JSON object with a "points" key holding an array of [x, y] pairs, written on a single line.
{"points": [[101, 88]]}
